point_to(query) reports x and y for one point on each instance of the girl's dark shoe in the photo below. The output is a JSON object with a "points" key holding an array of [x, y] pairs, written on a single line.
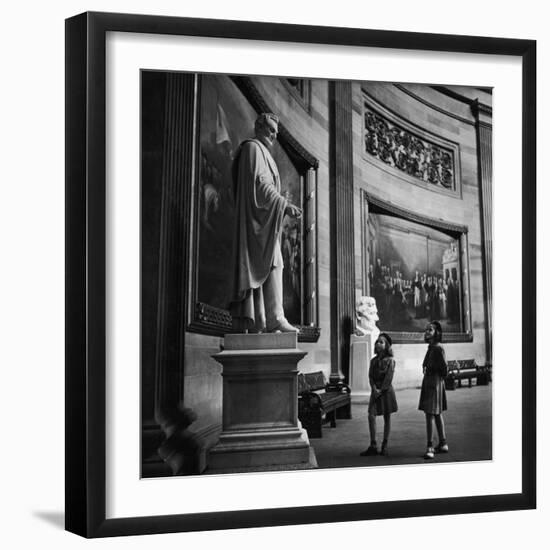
{"points": [[371, 451], [442, 448]]}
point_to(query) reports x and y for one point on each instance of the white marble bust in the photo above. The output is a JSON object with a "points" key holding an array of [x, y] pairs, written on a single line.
{"points": [[367, 316]]}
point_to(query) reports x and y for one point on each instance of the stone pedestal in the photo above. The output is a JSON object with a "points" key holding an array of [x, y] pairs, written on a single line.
{"points": [[362, 351], [261, 430]]}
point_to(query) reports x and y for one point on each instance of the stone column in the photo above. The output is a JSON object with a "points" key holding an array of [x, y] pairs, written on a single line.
{"points": [[484, 127], [174, 231], [342, 256], [163, 373]]}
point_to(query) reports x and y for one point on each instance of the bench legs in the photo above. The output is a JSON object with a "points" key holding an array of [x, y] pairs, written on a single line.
{"points": [[482, 379], [312, 421], [314, 431], [481, 375], [469, 383], [344, 412], [340, 412], [450, 384]]}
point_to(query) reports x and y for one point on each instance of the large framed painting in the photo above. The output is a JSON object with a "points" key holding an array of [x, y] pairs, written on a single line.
{"points": [[378, 181], [227, 107], [417, 270]]}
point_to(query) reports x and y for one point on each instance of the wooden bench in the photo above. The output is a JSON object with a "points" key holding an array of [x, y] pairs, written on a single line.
{"points": [[318, 401], [466, 369]]}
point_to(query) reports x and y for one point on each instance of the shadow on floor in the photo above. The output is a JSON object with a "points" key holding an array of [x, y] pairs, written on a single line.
{"points": [[57, 519]]}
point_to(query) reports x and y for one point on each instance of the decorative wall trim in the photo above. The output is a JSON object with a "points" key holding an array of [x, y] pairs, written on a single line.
{"points": [[216, 322], [480, 108], [484, 117], [433, 106], [297, 152], [302, 98], [311, 264], [214, 316], [418, 337], [462, 98], [309, 334], [409, 151], [437, 223], [209, 434], [364, 215]]}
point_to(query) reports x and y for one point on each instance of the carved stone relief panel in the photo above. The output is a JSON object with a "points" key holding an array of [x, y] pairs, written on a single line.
{"points": [[410, 151]]}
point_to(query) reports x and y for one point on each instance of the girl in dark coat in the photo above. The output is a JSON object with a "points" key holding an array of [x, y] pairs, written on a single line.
{"points": [[433, 399], [382, 398]]}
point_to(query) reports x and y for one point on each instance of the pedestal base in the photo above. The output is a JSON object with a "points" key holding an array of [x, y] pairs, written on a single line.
{"points": [[250, 450], [362, 350], [311, 464], [261, 430]]}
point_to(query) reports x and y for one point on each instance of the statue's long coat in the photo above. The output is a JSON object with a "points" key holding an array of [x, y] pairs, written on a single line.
{"points": [[259, 213]]}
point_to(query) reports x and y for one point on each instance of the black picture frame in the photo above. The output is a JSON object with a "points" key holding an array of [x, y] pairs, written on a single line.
{"points": [[86, 274]]}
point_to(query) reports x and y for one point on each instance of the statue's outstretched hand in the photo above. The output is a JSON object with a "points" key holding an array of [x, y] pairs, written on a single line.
{"points": [[293, 211]]}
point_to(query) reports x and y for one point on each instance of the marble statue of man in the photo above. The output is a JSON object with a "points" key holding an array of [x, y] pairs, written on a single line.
{"points": [[257, 303]]}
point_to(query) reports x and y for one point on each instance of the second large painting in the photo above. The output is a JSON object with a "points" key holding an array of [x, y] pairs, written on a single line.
{"points": [[414, 274]]}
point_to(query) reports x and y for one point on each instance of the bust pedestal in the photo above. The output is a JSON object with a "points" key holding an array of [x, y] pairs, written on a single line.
{"points": [[362, 351], [261, 430]]}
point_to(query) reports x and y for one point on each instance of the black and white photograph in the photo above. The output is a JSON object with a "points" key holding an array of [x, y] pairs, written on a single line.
{"points": [[316, 274], [274, 274]]}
